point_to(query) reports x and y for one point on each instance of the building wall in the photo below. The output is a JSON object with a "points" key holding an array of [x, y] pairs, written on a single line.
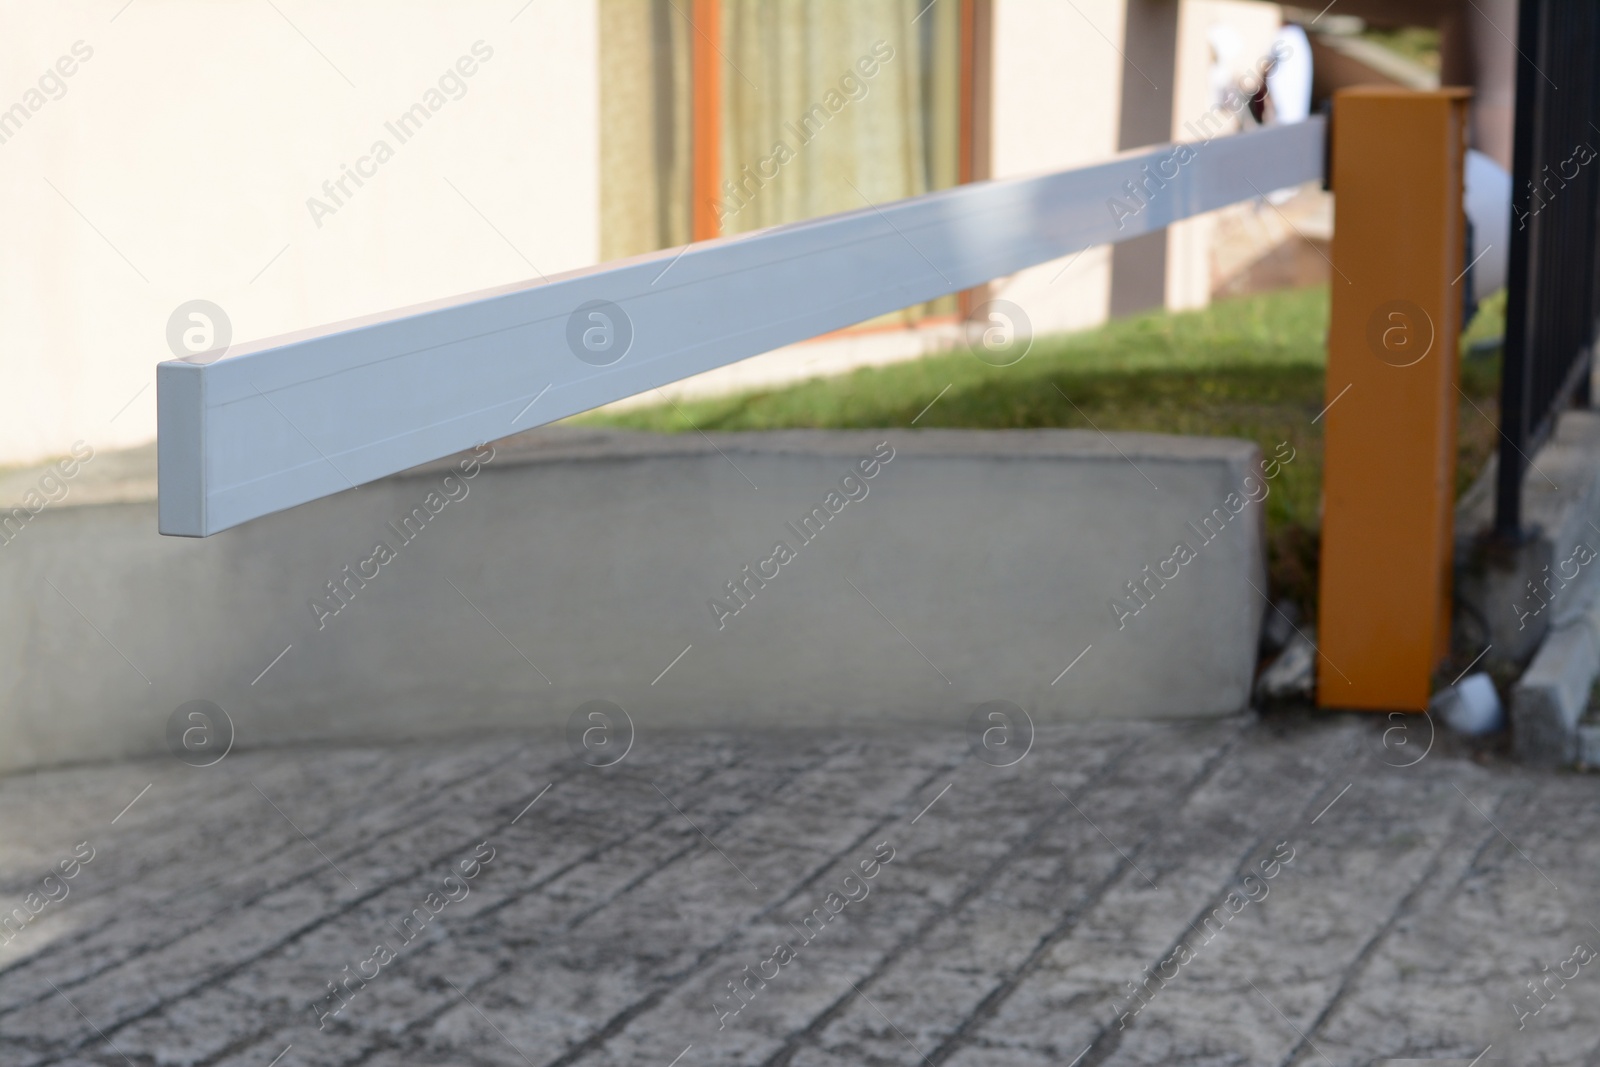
{"points": [[1189, 243], [1058, 84], [178, 159], [1057, 81]]}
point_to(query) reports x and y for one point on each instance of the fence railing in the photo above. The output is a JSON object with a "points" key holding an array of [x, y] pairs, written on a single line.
{"points": [[263, 427], [1555, 238]]}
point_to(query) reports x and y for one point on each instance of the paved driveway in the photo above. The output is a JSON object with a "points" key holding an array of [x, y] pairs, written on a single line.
{"points": [[1249, 891]]}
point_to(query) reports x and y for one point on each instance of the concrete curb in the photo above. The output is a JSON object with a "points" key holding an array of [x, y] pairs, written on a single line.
{"points": [[1550, 698], [972, 566], [1539, 603], [1561, 511]]}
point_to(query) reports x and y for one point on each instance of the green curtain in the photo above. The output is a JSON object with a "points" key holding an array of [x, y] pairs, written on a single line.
{"points": [[827, 105], [644, 126]]}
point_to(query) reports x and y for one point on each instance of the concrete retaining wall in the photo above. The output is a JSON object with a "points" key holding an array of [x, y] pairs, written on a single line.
{"points": [[573, 565]]}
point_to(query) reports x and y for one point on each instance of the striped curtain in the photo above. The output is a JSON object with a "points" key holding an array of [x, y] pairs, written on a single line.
{"points": [[827, 106]]}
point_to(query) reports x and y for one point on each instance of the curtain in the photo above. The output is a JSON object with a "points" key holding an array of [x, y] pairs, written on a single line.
{"points": [[826, 106], [644, 126], [831, 104]]}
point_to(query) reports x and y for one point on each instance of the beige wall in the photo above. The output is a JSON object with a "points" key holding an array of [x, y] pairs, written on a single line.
{"points": [[1056, 88], [1189, 257], [191, 140], [179, 161]]}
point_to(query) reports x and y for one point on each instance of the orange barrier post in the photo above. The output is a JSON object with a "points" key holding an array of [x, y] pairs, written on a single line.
{"points": [[1390, 427]]}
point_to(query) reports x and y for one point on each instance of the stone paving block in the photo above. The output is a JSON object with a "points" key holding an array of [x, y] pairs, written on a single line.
{"points": [[984, 1056], [1475, 938], [1122, 804], [1005, 929]]}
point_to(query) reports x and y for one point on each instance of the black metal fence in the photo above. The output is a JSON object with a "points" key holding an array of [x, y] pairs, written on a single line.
{"points": [[1554, 267]]}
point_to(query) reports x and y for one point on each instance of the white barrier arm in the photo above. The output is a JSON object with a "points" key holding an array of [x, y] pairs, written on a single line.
{"points": [[266, 426]]}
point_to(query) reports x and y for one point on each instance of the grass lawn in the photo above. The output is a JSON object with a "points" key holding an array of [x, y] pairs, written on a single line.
{"points": [[1250, 367]]}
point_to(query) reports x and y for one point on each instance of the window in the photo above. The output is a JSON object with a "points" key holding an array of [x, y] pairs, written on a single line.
{"points": [[724, 116]]}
